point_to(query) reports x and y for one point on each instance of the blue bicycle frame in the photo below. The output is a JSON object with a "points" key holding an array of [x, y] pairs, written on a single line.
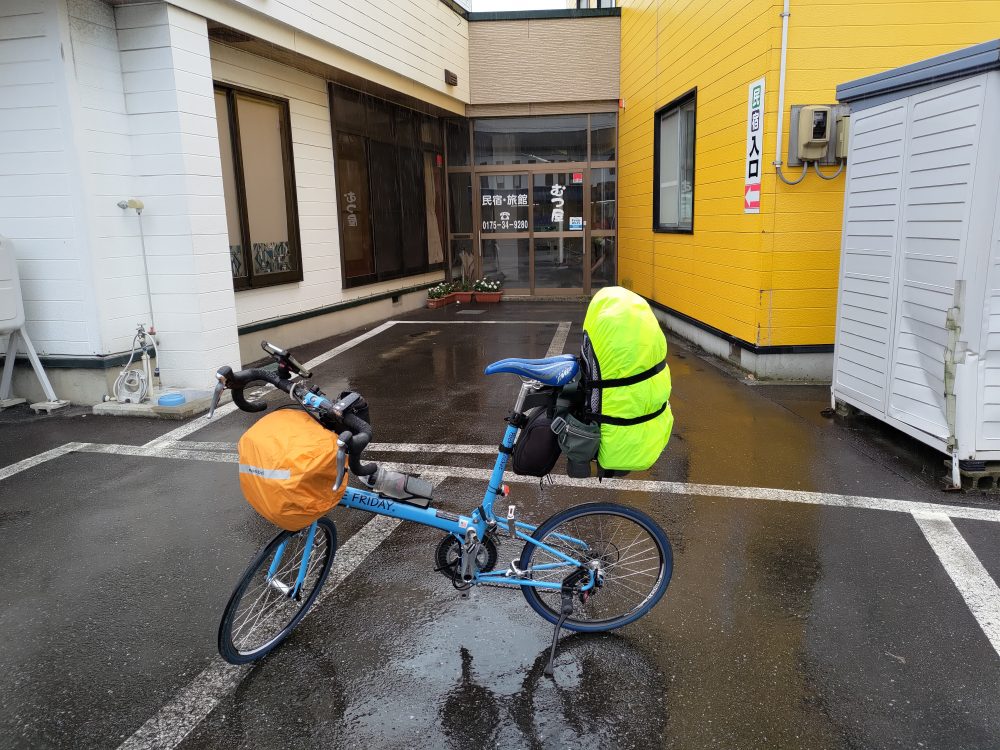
{"points": [[481, 519]]}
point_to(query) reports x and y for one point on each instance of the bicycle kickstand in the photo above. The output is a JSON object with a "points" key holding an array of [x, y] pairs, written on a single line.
{"points": [[567, 591]]}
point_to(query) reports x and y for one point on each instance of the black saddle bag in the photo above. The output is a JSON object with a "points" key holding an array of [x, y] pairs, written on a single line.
{"points": [[537, 448]]}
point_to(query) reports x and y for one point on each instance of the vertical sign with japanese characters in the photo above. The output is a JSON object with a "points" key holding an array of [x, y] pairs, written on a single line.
{"points": [[755, 144], [351, 205]]}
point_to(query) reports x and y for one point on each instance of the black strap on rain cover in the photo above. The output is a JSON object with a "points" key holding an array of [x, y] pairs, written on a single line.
{"points": [[630, 380], [627, 421]]}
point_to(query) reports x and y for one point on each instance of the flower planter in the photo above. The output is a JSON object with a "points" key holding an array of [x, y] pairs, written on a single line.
{"points": [[462, 297], [433, 304], [488, 296]]}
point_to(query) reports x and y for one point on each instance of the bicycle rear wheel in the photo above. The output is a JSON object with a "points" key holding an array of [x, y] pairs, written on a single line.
{"points": [[261, 611], [632, 553]]}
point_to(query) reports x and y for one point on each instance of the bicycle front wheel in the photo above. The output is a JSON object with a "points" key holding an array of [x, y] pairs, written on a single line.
{"points": [[262, 610], [630, 551]]}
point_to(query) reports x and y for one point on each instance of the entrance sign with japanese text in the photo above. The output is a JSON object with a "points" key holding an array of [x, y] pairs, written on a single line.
{"points": [[504, 210], [755, 144]]}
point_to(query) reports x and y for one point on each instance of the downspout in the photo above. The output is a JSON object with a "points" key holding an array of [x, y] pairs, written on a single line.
{"points": [[779, 137], [781, 103], [781, 86]]}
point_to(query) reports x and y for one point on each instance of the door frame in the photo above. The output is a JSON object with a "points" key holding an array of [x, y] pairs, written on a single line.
{"points": [[530, 170]]}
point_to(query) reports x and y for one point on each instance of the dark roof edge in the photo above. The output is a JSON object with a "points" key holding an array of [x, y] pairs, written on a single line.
{"points": [[957, 64], [457, 8], [531, 15]]}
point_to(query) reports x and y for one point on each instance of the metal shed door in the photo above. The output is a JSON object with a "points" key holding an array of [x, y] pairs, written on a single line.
{"points": [[868, 259], [987, 232], [988, 417], [939, 166]]}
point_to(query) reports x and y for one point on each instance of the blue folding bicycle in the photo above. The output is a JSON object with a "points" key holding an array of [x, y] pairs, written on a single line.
{"points": [[590, 568]]}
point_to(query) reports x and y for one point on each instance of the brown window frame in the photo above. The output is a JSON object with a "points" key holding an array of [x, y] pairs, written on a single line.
{"points": [[362, 131], [250, 281]]}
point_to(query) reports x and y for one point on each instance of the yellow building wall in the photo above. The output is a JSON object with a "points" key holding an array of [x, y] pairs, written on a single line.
{"points": [[769, 278]]}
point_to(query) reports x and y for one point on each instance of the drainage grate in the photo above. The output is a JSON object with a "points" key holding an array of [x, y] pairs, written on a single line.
{"points": [[470, 312]]}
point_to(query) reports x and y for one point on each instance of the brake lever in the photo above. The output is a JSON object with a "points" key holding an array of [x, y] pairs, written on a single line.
{"points": [[216, 394], [220, 386], [343, 440]]}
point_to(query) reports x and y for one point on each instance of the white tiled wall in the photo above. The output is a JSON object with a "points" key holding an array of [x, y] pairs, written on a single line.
{"points": [[40, 206], [100, 103], [105, 154], [167, 83]]}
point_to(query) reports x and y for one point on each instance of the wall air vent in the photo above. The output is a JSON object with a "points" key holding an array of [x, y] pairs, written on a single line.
{"points": [[450, 78]]}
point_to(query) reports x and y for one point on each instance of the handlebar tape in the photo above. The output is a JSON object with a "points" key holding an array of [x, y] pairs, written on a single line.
{"points": [[362, 436], [238, 381]]}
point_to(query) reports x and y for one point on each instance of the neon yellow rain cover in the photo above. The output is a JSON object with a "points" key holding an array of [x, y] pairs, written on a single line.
{"points": [[627, 340]]}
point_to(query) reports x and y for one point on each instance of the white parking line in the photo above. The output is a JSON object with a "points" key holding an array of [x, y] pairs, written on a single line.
{"points": [[327, 356], [179, 717], [193, 426], [559, 340], [974, 583], [193, 445], [722, 490], [200, 422], [29, 463], [771, 494]]}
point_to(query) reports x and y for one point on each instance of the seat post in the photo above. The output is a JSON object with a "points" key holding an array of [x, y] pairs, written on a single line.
{"points": [[526, 387]]}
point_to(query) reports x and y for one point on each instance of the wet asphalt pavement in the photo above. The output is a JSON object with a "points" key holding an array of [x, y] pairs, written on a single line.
{"points": [[786, 624]]}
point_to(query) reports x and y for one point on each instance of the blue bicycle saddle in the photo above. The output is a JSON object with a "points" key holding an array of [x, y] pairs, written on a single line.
{"points": [[558, 370]]}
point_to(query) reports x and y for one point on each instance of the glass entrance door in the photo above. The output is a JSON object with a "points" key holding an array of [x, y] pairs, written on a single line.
{"points": [[559, 243], [535, 230], [505, 230]]}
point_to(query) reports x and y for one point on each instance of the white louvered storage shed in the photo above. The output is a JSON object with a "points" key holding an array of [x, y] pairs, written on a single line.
{"points": [[918, 313]]}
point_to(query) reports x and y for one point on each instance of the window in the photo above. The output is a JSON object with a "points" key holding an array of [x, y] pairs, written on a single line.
{"points": [[390, 188], [259, 188], [673, 165], [602, 136], [531, 140]]}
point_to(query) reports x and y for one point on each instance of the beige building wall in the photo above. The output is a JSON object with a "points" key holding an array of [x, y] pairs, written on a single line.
{"points": [[405, 45], [544, 60]]}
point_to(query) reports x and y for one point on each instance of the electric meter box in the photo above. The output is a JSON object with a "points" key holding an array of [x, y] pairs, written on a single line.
{"points": [[814, 131], [917, 336], [11, 303]]}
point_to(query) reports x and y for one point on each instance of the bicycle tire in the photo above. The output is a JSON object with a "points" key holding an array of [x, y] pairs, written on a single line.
{"points": [[546, 602], [235, 648]]}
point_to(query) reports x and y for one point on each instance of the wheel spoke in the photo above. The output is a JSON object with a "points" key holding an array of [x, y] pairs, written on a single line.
{"points": [[264, 611], [634, 564]]}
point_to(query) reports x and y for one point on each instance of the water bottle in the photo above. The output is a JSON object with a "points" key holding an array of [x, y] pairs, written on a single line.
{"points": [[389, 483]]}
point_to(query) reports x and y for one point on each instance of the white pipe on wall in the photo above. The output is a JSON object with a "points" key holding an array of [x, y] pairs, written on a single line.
{"points": [[781, 87]]}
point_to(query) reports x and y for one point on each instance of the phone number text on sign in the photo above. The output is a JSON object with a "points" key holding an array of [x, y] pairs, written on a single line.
{"points": [[505, 225]]}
